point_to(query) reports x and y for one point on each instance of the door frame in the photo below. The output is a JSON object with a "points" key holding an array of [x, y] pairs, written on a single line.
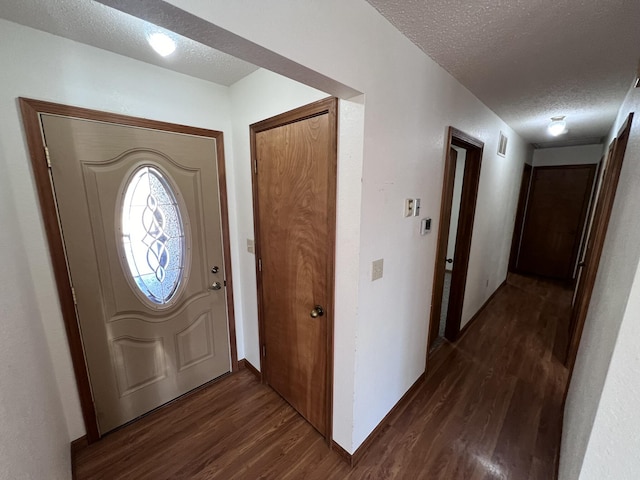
{"points": [[326, 106], [468, 201], [595, 242], [523, 200], [31, 110]]}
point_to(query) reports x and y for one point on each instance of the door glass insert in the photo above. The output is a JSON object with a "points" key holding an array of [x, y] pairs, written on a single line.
{"points": [[153, 234]]}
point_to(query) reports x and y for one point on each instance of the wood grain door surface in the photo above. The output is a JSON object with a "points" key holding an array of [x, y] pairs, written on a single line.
{"points": [[141, 350], [556, 211], [295, 188], [596, 236]]}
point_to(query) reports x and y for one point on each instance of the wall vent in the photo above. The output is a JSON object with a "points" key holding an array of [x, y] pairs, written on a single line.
{"points": [[502, 145]]}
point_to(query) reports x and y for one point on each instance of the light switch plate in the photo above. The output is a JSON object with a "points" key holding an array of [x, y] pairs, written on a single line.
{"points": [[376, 269], [251, 246], [416, 207], [408, 207]]}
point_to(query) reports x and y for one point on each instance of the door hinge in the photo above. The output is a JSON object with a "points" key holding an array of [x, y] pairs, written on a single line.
{"points": [[259, 264], [73, 294], [264, 350], [48, 156]]}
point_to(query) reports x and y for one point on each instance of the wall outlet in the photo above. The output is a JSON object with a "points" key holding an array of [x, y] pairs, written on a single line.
{"points": [[376, 269], [251, 246], [408, 207]]}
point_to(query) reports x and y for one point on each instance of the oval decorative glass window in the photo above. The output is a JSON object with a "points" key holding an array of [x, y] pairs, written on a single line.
{"points": [[153, 235]]}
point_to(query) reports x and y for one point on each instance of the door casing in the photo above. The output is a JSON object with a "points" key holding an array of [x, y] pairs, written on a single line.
{"points": [[31, 110], [595, 243], [327, 106], [471, 182], [525, 184]]}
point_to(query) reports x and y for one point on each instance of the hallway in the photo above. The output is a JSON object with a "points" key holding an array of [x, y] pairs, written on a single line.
{"points": [[490, 408]]}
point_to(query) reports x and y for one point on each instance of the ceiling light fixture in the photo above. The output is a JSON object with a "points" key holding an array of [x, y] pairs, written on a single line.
{"points": [[162, 43], [557, 126]]}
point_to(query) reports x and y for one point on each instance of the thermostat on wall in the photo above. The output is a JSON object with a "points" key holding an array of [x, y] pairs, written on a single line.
{"points": [[425, 226]]}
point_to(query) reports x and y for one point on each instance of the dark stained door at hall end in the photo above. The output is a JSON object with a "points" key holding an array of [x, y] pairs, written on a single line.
{"points": [[554, 221]]}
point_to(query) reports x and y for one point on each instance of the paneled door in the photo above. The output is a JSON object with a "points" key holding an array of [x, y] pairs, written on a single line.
{"points": [[295, 194], [139, 211]]}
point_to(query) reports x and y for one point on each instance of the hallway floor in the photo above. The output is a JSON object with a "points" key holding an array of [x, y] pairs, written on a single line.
{"points": [[490, 408]]}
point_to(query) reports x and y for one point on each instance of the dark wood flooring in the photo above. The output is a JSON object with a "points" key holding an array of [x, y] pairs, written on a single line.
{"points": [[490, 408]]}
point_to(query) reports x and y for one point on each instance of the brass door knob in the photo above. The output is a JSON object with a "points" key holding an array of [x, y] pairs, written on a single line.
{"points": [[317, 311], [215, 286]]}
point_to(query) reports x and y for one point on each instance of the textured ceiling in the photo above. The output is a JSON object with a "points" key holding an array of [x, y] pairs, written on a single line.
{"points": [[94, 24], [529, 60]]}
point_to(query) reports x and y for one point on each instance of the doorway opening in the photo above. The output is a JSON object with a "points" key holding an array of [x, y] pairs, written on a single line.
{"points": [[457, 211]]}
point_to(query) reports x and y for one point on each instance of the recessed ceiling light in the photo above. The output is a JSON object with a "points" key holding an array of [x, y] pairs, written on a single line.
{"points": [[557, 126], [162, 43]]}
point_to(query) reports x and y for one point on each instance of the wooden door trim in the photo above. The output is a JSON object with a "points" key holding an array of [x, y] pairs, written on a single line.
{"points": [[471, 183], [326, 106], [595, 244], [521, 210], [31, 109], [446, 204], [592, 205]]}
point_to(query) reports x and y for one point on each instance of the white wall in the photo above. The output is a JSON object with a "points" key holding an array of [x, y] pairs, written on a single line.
{"points": [[455, 205], [600, 435], [410, 101], [256, 97], [82, 76], [34, 442], [547, 157]]}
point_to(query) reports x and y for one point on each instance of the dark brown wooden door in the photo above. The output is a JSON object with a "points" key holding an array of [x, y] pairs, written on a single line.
{"points": [[294, 189], [558, 202], [596, 237]]}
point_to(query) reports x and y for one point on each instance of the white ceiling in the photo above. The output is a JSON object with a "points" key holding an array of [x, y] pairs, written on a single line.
{"points": [[529, 60], [92, 23]]}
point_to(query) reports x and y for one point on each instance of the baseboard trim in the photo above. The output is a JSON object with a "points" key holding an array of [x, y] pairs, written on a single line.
{"points": [[354, 459], [244, 363], [76, 446], [465, 329], [346, 456]]}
